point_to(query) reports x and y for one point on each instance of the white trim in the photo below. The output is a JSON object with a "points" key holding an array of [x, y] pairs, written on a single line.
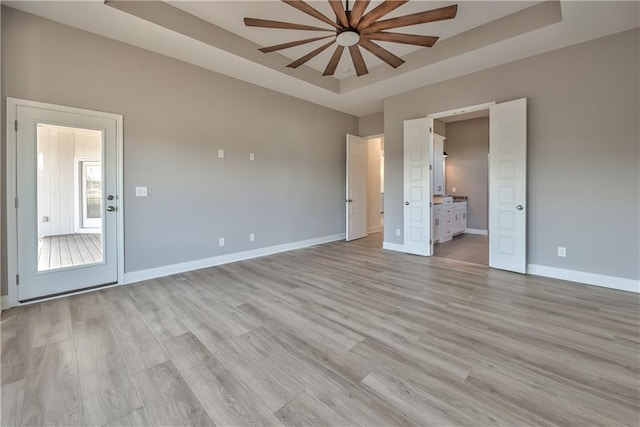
{"points": [[462, 110], [398, 247], [11, 299], [476, 231], [166, 270], [612, 282]]}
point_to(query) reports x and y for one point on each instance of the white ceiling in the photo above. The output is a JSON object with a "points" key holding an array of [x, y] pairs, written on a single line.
{"points": [[230, 15], [581, 21]]}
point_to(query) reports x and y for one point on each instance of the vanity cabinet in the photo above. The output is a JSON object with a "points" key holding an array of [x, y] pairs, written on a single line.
{"points": [[450, 219], [438, 164], [459, 217]]}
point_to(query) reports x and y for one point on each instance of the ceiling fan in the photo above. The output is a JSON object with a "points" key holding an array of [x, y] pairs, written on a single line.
{"points": [[353, 28]]}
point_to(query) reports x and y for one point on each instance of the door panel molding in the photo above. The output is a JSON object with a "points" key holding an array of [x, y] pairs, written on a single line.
{"points": [[11, 185]]}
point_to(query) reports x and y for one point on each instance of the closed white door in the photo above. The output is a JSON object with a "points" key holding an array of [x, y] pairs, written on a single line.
{"points": [[356, 201], [508, 186], [52, 256], [418, 148]]}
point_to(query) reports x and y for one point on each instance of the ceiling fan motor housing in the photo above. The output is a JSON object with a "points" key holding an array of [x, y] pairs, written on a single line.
{"points": [[347, 37]]}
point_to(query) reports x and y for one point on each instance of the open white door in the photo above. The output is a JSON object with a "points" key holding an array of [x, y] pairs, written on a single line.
{"points": [[357, 158], [508, 186], [418, 148]]}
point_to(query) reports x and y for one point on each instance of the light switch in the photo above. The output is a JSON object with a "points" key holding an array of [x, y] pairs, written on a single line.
{"points": [[220, 154], [221, 241], [252, 237], [141, 191], [252, 156]]}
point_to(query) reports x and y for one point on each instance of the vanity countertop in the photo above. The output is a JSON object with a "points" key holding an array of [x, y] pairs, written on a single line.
{"points": [[437, 200]]}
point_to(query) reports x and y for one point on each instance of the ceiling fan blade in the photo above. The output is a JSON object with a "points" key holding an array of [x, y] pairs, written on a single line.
{"points": [[358, 60], [413, 39], [333, 62], [382, 53], [304, 7], [338, 9], [265, 23], [290, 44], [433, 15], [357, 11], [308, 56], [379, 11]]}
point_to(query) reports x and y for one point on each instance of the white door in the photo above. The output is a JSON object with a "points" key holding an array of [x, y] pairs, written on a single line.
{"points": [[418, 149], [52, 258], [357, 158], [508, 186]]}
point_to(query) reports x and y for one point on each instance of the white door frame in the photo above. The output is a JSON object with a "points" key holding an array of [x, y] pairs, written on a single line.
{"points": [[12, 224], [439, 115]]}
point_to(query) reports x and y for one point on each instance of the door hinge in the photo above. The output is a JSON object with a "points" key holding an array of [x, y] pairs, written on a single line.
{"points": [[17, 279], [15, 125], [430, 204], [16, 203], [430, 167], [430, 242], [430, 130]]}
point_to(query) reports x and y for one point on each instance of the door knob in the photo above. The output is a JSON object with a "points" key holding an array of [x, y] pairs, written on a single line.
{"points": [[519, 207], [406, 203], [111, 209]]}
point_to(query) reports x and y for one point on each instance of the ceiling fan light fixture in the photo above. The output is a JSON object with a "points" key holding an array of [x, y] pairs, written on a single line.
{"points": [[348, 37]]}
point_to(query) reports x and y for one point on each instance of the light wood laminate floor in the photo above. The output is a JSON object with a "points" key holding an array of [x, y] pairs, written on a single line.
{"points": [[465, 247], [338, 334]]}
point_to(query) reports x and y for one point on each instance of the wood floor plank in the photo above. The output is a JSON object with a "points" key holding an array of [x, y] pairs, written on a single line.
{"points": [[52, 387], [272, 386], [140, 347], [16, 343], [51, 322], [134, 418], [12, 402], [108, 392], [167, 399], [305, 410], [333, 390], [226, 400]]}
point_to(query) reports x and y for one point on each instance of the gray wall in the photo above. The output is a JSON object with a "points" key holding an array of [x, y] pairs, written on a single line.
{"points": [[176, 117], [370, 125], [467, 167], [440, 127], [583, 149]]}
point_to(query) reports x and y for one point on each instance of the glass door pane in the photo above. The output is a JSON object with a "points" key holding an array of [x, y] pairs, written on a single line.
{"points": [[69, 196]]}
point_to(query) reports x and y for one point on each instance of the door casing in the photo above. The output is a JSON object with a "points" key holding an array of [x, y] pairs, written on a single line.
{"points": [[11, 165]]}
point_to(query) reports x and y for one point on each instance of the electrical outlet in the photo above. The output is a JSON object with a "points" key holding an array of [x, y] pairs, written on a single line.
{"points": [[562, 251], [221, 154], [453, 189], [252, 237], [252, 156], [221, 241], [397, 231], [141, 192]]}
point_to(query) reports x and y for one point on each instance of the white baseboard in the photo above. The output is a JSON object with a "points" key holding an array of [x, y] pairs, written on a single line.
{"points": [[166, 270], [612, 282], [476, 231], [393, 246]]}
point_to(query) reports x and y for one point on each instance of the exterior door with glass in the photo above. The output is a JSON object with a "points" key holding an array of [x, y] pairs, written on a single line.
{"points": [[66, 188]]}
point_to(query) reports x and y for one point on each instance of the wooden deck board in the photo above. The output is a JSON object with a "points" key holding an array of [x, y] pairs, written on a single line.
{"points": [[68, 250]]}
